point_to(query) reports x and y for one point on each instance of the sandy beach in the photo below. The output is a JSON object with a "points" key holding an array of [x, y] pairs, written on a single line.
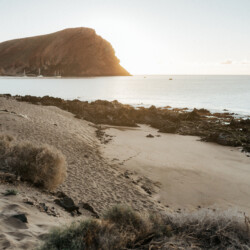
{"points": [[14, 234], [165, 172], [191, 173], [91, 179]]}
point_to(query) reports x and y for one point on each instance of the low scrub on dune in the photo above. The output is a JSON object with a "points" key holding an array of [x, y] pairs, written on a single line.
{"points": [[6, 143], [88, 234], [5, 146], [129, 224], [42, 165], [207, 229], [125, 217], [204, 229]]}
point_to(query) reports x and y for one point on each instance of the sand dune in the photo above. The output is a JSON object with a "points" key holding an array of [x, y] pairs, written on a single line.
{"points": [[90, 178], [192, 173]]}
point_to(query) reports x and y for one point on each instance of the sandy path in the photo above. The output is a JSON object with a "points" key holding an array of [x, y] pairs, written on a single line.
{"points": [[90, 179], [192, 173]]}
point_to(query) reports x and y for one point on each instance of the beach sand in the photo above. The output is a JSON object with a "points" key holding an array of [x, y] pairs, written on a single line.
{"points": [[154, 174], [15, 234], [191, 173]]}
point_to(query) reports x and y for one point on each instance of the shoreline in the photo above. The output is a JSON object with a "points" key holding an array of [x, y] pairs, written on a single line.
{"points": [[233, 113], [222, 128], [191, 174]]}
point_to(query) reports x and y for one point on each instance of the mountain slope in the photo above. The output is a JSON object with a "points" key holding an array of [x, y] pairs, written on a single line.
{"points": [[70, 52]]}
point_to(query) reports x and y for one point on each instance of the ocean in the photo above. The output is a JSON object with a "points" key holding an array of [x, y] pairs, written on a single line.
{"points": [[215, 93]]}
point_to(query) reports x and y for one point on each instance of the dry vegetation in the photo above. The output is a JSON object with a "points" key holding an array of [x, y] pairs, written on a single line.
{"points": [[122, 228], [42, 165], [5, 146]]}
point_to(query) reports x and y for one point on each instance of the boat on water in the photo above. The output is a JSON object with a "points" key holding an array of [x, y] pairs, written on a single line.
{"points": [[39, 73], [57, 74]]}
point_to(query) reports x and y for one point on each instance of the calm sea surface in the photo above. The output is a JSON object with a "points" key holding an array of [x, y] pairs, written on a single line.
{"points": [[211, 92]]}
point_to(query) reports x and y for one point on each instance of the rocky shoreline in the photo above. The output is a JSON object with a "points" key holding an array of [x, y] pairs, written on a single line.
{"points": [[221, 128]]}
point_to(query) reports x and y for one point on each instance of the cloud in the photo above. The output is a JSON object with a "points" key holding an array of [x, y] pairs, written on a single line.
{"points": [[245, 62], [227, 62]]}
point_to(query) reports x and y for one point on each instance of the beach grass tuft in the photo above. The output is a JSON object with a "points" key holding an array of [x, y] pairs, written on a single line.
{"points": [[10, 192]]}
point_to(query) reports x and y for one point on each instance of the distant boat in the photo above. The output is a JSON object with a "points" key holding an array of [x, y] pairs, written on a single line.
{"points": [[39, 73], [170, 79], [57, 74]]}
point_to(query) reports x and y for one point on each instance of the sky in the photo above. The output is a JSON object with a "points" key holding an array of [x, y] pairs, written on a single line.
{"points": [[149, 36]]}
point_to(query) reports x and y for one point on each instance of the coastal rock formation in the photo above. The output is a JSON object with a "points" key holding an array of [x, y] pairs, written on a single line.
{"points": [[70, 52], [221, 128]]}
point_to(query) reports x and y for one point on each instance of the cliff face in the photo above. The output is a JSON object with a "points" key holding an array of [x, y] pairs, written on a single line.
{"points": [[70, 52]]}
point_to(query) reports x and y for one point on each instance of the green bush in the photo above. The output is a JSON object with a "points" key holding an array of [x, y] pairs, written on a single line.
{"points": [[10, 192]]}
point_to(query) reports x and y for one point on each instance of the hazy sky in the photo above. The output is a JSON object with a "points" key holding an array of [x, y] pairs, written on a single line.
{"points": [[149, 36]]}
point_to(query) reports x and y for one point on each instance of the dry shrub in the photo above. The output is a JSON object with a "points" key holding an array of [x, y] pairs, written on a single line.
{"points": [[6, 142], [88, 234], [203, 229], [5, 145], [118, 230], [207, 229], [42, 165], [125, 217], [131, 225]]}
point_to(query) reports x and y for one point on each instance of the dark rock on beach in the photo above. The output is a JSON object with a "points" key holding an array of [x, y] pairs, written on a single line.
{"points": [[169, 127], [21, 217], [88, 207], [67, 203]]}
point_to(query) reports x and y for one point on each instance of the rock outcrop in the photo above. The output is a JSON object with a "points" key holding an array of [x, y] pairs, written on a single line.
{"points": [[221, 128], [70, 52]]}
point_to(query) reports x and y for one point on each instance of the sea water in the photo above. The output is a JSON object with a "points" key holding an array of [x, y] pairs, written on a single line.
{"points": [[215, 93]]}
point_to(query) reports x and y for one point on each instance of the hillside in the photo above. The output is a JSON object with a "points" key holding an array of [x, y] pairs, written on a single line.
{"points": [[70, 52]]}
